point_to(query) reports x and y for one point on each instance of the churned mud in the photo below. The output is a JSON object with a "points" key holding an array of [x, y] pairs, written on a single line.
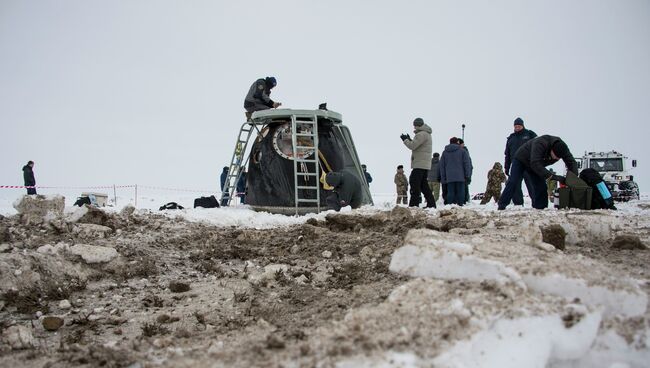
{"points": [[136, 289]]}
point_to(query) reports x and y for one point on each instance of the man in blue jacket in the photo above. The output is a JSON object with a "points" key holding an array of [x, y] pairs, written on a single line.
{"points": [[520, 136], [455, 170]]}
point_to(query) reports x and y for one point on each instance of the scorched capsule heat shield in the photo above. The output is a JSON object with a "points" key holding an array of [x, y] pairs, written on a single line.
{"points": [[271, 184]]}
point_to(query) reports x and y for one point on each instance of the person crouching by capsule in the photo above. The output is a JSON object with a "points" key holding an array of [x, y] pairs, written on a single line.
{"points": [[346, 190]]}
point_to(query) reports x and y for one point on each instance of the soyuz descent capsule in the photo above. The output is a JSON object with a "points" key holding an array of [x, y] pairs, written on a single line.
{"points": [[282, 169]]}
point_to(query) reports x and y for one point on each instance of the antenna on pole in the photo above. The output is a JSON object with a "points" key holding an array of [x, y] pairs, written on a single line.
{"points": [[463, 133]]}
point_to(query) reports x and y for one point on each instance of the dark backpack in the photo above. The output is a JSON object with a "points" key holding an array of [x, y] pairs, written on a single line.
{"points": [[171, 206], [601, 197], [81, 201], [206, 202]]}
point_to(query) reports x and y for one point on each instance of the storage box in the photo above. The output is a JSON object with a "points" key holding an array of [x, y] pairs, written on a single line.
{"points": [[574, 198]]}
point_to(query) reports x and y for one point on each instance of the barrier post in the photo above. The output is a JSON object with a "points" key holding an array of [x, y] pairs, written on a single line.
{"points": [[136, 196], [114, 195]]}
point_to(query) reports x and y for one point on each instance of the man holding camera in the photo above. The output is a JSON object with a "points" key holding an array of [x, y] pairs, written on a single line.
{"points": [[421, 147]]}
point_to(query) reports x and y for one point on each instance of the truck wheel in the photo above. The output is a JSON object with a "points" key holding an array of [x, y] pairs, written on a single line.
{"points": [[632, 187]]}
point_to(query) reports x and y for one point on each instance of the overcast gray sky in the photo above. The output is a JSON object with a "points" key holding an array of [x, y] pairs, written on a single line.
{"points": [[151, 92]]}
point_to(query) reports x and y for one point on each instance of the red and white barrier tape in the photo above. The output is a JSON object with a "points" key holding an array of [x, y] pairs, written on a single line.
{"points": [[176, 189], [48, 187], [109, 187]]}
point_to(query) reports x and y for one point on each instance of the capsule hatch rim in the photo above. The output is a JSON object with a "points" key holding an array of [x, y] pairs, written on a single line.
{"points": [[262, 115]]}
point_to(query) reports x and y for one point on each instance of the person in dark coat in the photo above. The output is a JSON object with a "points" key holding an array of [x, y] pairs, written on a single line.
{"points": [[443, 186], [241, 187], [455, 171], [28, 176], [461, 142], [259, 96], [520, 136], [532, 158], [367, 174], [224, 177], [346, 192]]}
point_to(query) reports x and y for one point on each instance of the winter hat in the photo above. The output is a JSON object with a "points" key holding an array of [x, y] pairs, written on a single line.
{"points": [[519, 121], [271, 81], [560, 149], [418, 122], [333, 178], [436, 154]]}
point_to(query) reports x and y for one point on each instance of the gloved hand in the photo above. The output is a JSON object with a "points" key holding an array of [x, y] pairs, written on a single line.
{"points": [[468, 181], [405, 137], [277, 104], [558, 178]]}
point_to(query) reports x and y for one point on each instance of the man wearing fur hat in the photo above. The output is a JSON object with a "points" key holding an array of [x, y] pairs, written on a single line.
{"points": [[520, 136], [421, 147], [531, 159], [259, 96]]}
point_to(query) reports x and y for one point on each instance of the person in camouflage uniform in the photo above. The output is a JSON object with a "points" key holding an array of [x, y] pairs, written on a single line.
{"points": [[495, 178], [402, 184]]}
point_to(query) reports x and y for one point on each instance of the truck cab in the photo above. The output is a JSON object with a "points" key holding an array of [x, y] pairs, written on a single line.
{"points": [[612, 166]]}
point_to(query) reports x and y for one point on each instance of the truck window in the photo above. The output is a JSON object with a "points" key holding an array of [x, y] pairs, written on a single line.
{"points": [[606, 164]]}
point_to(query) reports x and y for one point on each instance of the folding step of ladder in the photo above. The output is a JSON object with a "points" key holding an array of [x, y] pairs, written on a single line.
{"points": [[304, 137], [237, 162]]}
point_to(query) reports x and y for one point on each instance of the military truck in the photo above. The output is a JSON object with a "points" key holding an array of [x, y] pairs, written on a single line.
{"points": [[612, 167]]}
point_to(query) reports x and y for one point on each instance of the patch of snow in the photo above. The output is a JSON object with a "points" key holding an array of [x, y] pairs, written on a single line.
{"points": [[426, 261], [523, 342], [627, 303], [609, 350]]}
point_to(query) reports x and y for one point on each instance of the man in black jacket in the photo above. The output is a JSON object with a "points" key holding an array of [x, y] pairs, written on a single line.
{"points": [[520, 136], [259, 96], [532, 159], [28, 175], [347, 190]]}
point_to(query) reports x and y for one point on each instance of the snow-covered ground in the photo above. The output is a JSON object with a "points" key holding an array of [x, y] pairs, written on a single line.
{"points": [[484, 288]]}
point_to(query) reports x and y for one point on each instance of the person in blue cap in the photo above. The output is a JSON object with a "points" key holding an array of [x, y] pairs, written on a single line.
{"points": [[259, 96]]}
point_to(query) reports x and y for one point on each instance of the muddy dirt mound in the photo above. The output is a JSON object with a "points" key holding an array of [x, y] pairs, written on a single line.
{"points": [[457, 218], [188, 294], [398, 220]]}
